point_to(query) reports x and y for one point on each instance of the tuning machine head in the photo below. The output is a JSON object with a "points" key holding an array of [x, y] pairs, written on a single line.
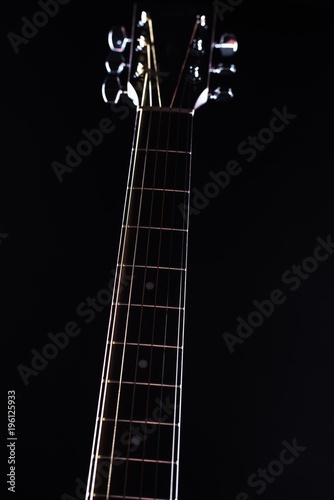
{"points": [[221, 72], [116, 83], [112, 89], [194, 74], [224, 70], [221, 95], [117, 39], [228, 45], [115, 63]]}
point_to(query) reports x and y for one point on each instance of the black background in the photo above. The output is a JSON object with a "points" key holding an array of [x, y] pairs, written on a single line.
{"points": [[62, 241]]}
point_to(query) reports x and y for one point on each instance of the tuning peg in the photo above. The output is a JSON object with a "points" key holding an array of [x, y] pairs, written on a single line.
{"points": [[115, 63], [112, 89], [198, 48], [141, 44], [117, 39], [221, 95], [228, 45], [143, 19], [223, 70], [201, 20], [194, 74]]}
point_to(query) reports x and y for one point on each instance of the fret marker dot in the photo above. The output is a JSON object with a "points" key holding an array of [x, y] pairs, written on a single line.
{"points": [[143, 363], [150, 285], [136, 440]]}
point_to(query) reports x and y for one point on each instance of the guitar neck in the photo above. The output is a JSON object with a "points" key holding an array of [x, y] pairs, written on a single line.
{"points": [[136, 440]]}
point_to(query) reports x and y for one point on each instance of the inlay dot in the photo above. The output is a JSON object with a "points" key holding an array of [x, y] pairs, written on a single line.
{"points": [[143, 363], [136, 440], [150, 285]]}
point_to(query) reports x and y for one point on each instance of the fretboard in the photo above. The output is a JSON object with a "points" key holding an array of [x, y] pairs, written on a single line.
{"points": [[137, 435]]}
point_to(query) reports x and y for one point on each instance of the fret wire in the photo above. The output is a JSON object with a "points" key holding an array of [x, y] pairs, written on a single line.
{"points": [[164, 151], [118, 497], [144, 384], [150, 306], [141, 266], [154, 228], [141, 460], [160, 346], [167, 190], [134, 421]]}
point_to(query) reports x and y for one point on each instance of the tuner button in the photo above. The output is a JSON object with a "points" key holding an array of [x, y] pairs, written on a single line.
{"points": [[221, 95], [111, 89], [142, 44], [117, 39], [221, 69], [228, 45], [115, 63], [194, 75], [201, 20], [143, 19], [198, 48]]}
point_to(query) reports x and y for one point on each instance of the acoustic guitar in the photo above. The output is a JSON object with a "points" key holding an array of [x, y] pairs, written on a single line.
{"points": [[136, 444]]}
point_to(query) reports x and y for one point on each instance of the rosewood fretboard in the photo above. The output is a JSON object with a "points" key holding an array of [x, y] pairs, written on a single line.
{"points": [[136, 440]]}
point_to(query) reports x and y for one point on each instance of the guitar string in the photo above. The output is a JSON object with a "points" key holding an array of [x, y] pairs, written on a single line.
{"points": [[153, 322], [184, 62], [149, 233], [176, 382], [148, 77], [127, 321], [109, 343], [152, 337], [131, 52], [181, 266], [157, 277], [151, 31], [120, 271], [129, 300], [147, 83], [181, 320], [136, 363], [120, 389], [143, 293]]}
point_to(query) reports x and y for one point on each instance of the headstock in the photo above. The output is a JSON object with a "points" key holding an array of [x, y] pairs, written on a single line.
{"points": [[134, 71]]}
